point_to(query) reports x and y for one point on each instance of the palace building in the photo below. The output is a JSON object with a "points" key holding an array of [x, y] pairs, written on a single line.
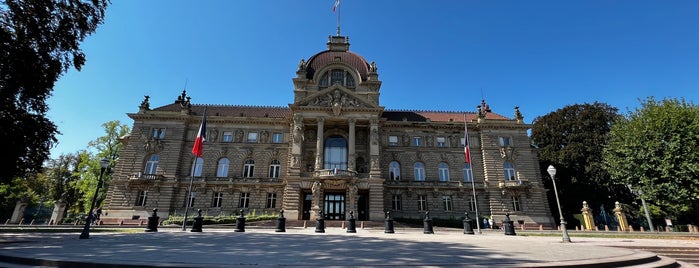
{"points": [[335, 149]]}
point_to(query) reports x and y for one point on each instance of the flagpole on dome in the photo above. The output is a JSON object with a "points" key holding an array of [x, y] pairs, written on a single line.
{"points": [[336, 7], [197, 151], [467, 159]]}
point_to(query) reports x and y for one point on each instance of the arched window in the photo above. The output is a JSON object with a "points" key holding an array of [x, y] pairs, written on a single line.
{"points": [[335, 153], [394, 171], [337, 76], [468, 173], [152, 164], [222, 169], [274, 169], [510, 174], [249, 169], [198, 168], [419, 169], [443, 170]]}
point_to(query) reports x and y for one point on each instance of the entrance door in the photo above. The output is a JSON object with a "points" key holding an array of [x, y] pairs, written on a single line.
{"points": [[362, 207], [307, 199], [334, 206]]}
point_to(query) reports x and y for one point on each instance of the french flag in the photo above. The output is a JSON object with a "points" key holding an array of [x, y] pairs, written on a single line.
{"points": [[467, 152], [198, 148], [337, 4]]}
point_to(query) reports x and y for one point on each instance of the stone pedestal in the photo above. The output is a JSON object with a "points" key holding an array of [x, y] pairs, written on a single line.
{"points": [[57, 215], [18, 213]]}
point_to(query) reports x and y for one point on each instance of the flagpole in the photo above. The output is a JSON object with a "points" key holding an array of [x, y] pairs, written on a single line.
{"points": [[189, 194], [473, 184], [338, 17]]}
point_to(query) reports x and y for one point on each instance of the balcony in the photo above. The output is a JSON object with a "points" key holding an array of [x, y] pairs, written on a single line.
{"points": [[146, 177], [514, 184], [334, 173]]}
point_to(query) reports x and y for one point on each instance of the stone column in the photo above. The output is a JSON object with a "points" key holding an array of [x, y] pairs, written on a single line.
{"points": [[375, 168], [319, 144], [297, 136], [351, 153]]}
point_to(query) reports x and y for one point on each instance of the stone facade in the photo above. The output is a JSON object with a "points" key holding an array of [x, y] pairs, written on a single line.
{"points": [[335, 149]]}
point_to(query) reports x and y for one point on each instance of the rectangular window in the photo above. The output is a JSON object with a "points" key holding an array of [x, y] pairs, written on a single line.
{"points": [[271, 200], [470, 204], [462, 142], [191, 199], [227, 136], [396, 203], [417, 141], [252, 137], [447, 202], [468, 173], [422, 202], [441, 142], [244, 200], [158, 133], [515, 204], [505, 141], [277, 137], [217, 200], [392, 140], [142, 198]]}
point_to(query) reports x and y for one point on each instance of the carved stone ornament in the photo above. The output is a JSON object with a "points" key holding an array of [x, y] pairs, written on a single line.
{"points": [[507, 153], [335, 99], [153, 146]]}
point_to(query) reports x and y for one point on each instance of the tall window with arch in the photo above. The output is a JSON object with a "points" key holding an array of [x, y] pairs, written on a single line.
{"points": [[443, 170], [152, 164], [394, 171], [249, 168], [274, 168], [510, 174], [222, 168], [468, 173], [419, 171], [199, 167]]}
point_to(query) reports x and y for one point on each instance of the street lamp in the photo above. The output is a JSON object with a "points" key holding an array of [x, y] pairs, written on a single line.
{"points": [[104, 163], [552, 172], [639, 193]]}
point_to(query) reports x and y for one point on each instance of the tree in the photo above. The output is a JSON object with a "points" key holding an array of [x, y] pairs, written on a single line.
{"points": [[654, 149], [107, 146], [572, 139], [39, 41]]}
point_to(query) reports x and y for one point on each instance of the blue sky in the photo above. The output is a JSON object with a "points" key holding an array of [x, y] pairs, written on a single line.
{"points": [[431, 55]]}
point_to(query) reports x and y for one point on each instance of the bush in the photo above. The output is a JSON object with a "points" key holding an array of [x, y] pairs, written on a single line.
{"points": [[177, 220]]}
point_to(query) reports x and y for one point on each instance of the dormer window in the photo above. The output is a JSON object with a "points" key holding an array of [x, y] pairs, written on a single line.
{"points": [[337, 76]]}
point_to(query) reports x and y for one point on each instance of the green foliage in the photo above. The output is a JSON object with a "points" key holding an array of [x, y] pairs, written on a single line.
{"points": [[654, 148], [40, 41], [177, 220], [572, 139]]}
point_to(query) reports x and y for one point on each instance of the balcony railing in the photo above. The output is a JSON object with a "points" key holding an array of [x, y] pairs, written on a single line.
{"points": [[334, 173], [513, 184], [146, 177]]}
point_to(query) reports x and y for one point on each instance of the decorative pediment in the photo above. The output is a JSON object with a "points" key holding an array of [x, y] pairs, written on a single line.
{"points": [[336, 97]]}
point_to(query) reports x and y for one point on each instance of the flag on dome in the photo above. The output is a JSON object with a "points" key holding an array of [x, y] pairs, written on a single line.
{"points": [[337, 4], [198, 148]]}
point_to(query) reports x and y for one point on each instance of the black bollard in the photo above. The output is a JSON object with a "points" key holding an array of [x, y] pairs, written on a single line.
{"points": [[198, 222], [281, 222], [153, 222], [240, 222], [388, 223], [320, 223], [427, 224], [508, 225], [468, 229], [351, 224]]}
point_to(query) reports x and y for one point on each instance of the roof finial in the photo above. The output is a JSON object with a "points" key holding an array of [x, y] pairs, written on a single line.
{"points": [[336, 7]]}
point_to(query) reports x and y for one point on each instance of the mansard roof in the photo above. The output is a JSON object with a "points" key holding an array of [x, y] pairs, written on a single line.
{"points": [[320, 60], [283, 112], [436, 116]]}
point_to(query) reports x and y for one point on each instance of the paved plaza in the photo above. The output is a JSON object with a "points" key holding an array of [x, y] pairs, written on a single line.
{"points": [[302, 247]]}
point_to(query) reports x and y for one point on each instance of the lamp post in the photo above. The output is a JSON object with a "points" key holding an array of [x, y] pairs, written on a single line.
{"points": [[552, 172], [639, 193], [104, 163]]}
